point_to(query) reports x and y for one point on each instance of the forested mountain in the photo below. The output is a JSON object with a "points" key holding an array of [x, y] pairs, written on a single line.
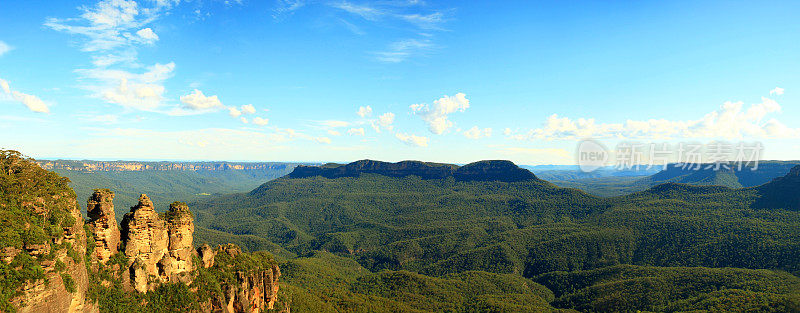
{"points": [[673, 247], [609, 182]]}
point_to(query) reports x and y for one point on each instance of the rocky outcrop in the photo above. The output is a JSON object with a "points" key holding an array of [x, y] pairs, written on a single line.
{"points": [[146, 241], [177, 264], [103, 224], [62, 290], [495, 170], [253, 290]]}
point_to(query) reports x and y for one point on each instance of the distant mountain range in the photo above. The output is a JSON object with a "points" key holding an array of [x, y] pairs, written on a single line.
{"points": [[164, 181], [96, 166]]}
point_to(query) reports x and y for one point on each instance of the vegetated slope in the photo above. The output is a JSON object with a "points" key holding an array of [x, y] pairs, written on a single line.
{"points": [[450, 224], [605, 184], [166, 185]]}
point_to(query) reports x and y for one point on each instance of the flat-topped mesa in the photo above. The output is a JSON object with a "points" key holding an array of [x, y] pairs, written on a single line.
{"points": [[180, 228], [479, 171], [103, 224], [146, 241], [493, 170]]}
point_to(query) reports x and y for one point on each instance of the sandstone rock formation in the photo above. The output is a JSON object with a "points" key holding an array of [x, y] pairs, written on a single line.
{"points": [[253, 290], [103, 224], [64, 290], [146, 241], [177, 264]]}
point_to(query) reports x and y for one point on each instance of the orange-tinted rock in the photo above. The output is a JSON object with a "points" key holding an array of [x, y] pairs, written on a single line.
{"points": [[145, 238], [103, 224]]}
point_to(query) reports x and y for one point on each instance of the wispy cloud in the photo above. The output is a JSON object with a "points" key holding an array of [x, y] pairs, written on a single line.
{"points": [[401, 50], [111, 31], [286, 7], [412, 140]]}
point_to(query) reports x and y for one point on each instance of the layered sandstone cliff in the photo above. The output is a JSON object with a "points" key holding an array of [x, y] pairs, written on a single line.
{"points": [[146, 240], [103, 224], [177, 263], [251, 290], [65, 284]]}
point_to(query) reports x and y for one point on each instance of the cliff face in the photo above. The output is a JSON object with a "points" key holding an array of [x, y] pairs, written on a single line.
{"points": [[478, 171], [177, 263], [103, 224], [252, 290], [146, 239], [44, 242], [44, 252]]}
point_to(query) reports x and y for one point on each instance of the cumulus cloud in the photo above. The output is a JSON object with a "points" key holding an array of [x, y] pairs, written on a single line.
{"points": [[436, 115], [198, 101], [412, 140], [384, 121], [248, 109], [356, 132], [32, 102], [477, 133], [777, 91], [234, 112], [364, 111], [730, 121], [260, 121], [243, 119], [147, 35], [4, 47]]}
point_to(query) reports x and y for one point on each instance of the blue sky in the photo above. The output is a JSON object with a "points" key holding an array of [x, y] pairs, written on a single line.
{"points": [[449, 81]]}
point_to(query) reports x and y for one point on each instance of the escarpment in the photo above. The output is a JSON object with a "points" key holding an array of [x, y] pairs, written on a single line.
{"points": [[492, 170], [43, 240]]}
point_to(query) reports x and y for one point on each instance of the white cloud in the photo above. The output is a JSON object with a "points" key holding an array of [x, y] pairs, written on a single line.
{"points": [[4, 85], [147, 35], [364, 111], [111, 31], [334, 123], [730, 121], [334, 132], [287, 7], [198, 101], [364, 11], [436, 115], [234, 112], [324, 140], [105, 118], [4, 47], [427, 22], [477, 133], [243, 119], [412, 140], [260, 121], [356, 132], [32, 102], [777, 91], [248, 109], [384, 122]]}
